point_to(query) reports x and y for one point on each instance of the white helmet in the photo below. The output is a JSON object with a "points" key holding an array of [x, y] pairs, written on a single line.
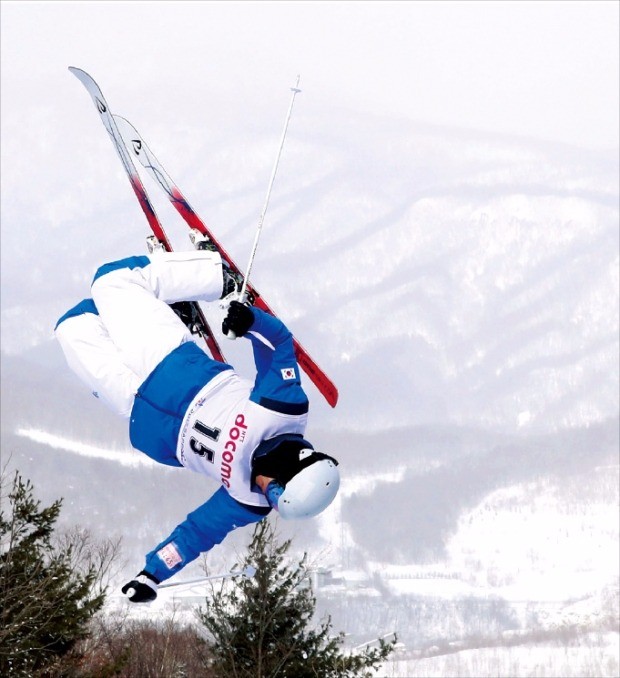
{"points": [[308, 492]]}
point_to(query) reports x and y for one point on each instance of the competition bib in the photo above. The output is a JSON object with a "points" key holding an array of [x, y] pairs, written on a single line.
{"points": [[222, 428]]}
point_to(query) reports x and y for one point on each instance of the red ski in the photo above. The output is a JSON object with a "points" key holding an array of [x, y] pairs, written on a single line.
{"points": [[199, 322], [126, 138]]}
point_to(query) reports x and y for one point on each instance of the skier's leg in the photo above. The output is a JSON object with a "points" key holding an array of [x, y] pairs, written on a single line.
{"points": [[132, 296], [92, 355], [195, 275]]}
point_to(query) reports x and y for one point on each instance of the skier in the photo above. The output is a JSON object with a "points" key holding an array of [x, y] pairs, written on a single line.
{"points": [[186, 409]]}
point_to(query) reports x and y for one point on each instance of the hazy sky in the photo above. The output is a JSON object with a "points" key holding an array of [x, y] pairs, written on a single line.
{"points": [[543, 69]]}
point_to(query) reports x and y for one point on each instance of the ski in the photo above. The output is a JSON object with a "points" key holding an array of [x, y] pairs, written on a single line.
{"points": [[134, 141], [188, 311]]}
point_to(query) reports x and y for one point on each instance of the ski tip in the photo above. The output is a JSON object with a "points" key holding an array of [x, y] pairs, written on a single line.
{"points": [[332, 398], [81, 75], [326, 388]]}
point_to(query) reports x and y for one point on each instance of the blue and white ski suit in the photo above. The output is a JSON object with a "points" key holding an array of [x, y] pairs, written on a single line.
{"points": [[184, 408]]}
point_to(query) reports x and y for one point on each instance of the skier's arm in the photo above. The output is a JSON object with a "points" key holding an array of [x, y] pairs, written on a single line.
{"points": [[278, 383], [204, 528]]}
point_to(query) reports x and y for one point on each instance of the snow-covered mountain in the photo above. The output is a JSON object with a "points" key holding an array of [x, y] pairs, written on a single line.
{"points": [[461, 289], [451, 277]]}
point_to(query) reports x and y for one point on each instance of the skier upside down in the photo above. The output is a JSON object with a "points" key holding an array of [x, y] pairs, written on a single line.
{"points": [[186, 409]]}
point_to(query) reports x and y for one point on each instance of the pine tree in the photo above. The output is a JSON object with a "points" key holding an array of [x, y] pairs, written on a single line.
{"points": [[262, 627], [45, 604]]}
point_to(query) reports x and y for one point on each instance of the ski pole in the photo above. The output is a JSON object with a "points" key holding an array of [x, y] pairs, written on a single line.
{"points": [[242, 293], [248, 573]]}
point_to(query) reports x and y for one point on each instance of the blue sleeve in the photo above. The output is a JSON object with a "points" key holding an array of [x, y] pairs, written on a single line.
{"points": [[278, 380], [204, 528]]}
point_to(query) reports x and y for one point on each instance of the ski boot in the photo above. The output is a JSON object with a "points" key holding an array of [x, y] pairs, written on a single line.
{"points": [[187, 311], [201, 241], [154, 245], [233, 282]]}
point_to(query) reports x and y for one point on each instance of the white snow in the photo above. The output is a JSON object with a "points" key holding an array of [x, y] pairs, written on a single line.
{"points": [[126, 457], [594, 655]]}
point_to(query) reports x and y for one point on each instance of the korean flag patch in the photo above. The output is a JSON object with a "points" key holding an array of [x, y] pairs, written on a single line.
{"points": [[288, 373]]}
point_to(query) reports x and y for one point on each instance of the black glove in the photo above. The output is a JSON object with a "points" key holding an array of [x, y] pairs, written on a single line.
{"points": [[239, 319], [142, 589]]}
